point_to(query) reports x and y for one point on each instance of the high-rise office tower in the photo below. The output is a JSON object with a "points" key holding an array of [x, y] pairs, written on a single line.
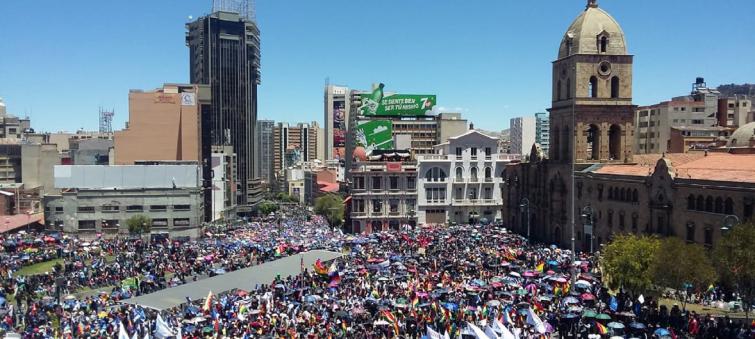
{"points": [[224, 50], [543, 131], [264, 148], [336, 121]]}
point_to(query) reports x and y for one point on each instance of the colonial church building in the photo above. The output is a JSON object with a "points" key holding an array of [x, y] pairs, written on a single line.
{"points": [[592, 137]]}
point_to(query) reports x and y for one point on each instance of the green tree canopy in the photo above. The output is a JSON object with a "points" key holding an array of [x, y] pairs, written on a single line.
{"points": [[677, 264], [734, 256], [266, 207], [139, 224], [331, 207], [627, 261]]}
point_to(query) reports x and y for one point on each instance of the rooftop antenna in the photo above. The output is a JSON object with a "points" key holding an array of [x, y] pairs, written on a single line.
{"points": [[106, 121], [244, 8]]}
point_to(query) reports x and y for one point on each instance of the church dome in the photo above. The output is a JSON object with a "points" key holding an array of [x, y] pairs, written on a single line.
{"points": [[593, 32], [743, 136]]}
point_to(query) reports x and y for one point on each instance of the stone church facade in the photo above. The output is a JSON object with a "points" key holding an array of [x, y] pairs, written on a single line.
{"points": [[592, 135]]}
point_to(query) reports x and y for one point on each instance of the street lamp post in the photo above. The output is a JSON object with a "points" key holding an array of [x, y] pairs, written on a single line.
{"points": [[525, 208], [728, 223], [587, 215]]}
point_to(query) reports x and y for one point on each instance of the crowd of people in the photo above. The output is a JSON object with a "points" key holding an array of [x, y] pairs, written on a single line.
{"points": [[434, 282]]}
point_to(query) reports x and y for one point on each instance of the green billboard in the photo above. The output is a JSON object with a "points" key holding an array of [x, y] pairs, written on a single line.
{"points": [[375, 134], [379, 104]]}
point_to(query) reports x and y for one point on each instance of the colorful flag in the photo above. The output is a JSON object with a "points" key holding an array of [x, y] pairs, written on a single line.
{"points": [[415, 302], [535, 321], [540, 267], [320, 268], [391, 319], [602, 329], [207, 302]]}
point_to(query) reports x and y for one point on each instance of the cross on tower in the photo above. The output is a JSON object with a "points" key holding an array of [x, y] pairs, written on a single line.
{"points": [[592, 3]]}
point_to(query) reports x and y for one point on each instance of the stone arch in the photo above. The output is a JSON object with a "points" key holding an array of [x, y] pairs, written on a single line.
{"points": [[614, 142], [729, 206], [719, 205], [593, 142], [615, 83]]}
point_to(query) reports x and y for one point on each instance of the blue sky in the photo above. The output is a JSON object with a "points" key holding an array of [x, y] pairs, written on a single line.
{"points": [[61, 60]]}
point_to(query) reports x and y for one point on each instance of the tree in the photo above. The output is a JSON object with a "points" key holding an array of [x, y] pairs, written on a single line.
{"points": [[331, 207], [626, 262], [139, 224], [680, 266], [266, 207], [735, 259]]}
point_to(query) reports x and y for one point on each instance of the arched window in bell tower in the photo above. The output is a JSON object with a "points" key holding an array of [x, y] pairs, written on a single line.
{"points": [[614, 143], [593, 142], [603, 44], [558, 91], [568, 88], [592, 87], [615, 82]]}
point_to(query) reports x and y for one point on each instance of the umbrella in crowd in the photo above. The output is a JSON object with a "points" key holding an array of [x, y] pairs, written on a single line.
{"points": [[434, 282]]}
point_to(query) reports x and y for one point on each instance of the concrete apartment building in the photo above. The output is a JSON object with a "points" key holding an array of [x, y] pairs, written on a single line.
{"points": [[292, 144], [223, 192], [461, 181], [735, 111], [99, 199], [697, 139], [653, 123], [523, 134], [94, 151], [265, 140], [163, 124], [542, 131], [337, 102]]}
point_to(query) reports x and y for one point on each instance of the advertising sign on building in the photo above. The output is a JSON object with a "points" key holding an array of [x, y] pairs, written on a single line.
{"points": [[339, 128], [379, 104], [375, 134]]}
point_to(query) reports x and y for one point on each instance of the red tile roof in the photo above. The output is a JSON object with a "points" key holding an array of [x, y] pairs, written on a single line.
{"points": [[12, 222], [714, 166]]}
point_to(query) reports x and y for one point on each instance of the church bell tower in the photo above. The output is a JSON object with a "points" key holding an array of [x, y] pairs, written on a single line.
{"points": [[592, 92]]}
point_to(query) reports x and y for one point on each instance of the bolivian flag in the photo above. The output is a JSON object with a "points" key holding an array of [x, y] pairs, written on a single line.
{"points": [[415, 302], [320, 268], [602, 329], [540, 267]]}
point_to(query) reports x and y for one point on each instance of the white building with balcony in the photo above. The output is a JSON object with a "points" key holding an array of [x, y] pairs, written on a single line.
{"points": [[462, 181]]}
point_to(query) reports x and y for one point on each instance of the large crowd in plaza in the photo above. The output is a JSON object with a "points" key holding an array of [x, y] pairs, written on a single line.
{"points": [[434, 282]]}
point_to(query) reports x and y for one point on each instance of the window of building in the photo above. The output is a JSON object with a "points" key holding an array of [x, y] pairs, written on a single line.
{"points": [[110, 208], [487, 153], [435, 194], [435, 174], [459, 194], [719, 205], [634, 222], [359, 183], [377, 206], [615, 83], [621, 220], [592, 87], [473, 174], [708, 236], [603, 44], [690, 232], [377, 183], [473, 152], [747, 209], [181, 222], [85, 209], [358, 205], [488, 193], [58, 210], [134, 208], [459, 174], [488, 174], [691, 202], [393, 205], [473, 193], [393, 183], [182, 207], [609, 220], [729, 206], [700, 203], [411, 183], [160, 223], [87, 224], [568, 88], [709, 204], [158, 208], [410, 204], [458, 152]]}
